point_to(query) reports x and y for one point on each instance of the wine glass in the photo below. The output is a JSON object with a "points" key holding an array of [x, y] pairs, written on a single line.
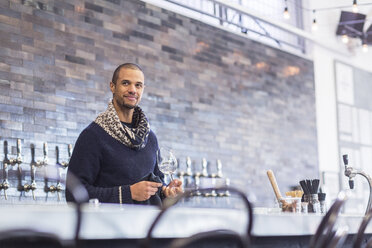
{"points": [[167, 162]]}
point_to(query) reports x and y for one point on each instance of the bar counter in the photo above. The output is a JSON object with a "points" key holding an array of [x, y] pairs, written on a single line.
{"points": [[115, 222]]}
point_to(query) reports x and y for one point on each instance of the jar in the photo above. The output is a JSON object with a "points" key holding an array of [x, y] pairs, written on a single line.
{"points": [[314, 204]]}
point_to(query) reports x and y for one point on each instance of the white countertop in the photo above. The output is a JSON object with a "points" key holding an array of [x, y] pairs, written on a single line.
{"points": [[129, 221]]}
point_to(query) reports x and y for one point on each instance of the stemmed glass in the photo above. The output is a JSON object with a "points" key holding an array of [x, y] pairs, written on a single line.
{"points": [[167, 162]]}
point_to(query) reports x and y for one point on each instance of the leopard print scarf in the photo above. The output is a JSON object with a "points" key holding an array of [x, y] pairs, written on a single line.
{"points": [[134, 138]]}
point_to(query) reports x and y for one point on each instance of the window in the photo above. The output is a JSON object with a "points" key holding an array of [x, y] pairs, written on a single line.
{"points": [[237, 19]]}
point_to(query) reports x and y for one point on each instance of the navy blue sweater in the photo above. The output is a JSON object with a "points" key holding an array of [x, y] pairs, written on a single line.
{"points": [[103, 164]]}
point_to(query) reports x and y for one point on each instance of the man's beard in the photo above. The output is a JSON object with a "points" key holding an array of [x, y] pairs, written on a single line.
{"points": [[120, 103], [127, 106]]}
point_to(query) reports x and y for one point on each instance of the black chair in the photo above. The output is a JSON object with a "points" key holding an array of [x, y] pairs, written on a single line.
{"points": [[36, 238], [359, 238], [29, 238], [327, 236], [215, 238]]}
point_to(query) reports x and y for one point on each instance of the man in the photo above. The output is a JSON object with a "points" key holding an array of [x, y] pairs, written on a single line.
{"points": [[115, 157]]}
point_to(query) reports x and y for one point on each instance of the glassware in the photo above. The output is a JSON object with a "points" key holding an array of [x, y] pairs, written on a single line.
{"points": [[292, 204], [304, 207], [313, 203], [167, 162]]}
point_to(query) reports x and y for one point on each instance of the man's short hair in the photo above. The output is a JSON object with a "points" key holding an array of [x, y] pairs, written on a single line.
{"points": [[125, 65]]}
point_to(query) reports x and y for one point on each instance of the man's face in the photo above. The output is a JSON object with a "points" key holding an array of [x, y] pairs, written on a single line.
{"points": [[128, 89]]}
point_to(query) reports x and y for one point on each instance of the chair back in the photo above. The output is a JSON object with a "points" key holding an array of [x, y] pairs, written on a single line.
{"points": [[29, 238], [360, 235], [325, 235], [217, 236]]}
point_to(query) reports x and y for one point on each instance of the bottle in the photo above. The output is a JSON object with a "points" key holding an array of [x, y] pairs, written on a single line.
{"points": [[323, 205]]}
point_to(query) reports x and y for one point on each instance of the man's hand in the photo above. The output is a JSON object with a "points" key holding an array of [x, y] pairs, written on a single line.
{"points": [[143, 190], [173, 189]]}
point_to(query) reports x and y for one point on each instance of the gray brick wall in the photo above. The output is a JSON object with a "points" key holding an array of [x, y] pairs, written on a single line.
{"points": [[209, 93]]}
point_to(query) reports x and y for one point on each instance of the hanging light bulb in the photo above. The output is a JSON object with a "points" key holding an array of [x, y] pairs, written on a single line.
{"points": [[286, 14], [345, 38], [355, 6], [364, 45], [365, 48], [314, 26]]}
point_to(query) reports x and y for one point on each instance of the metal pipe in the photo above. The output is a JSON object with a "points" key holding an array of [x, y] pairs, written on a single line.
{"points": [[60, 166], [33, 166], [5, 184], [18, 159], [350, 172], [369, 179]]}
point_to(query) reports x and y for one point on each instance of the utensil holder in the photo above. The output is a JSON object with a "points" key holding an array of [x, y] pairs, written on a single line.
{"points": [[314, 204]]}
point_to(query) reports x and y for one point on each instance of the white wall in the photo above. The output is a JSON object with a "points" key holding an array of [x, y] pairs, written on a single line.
{"points": [[324, 74], [324, 60]]}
